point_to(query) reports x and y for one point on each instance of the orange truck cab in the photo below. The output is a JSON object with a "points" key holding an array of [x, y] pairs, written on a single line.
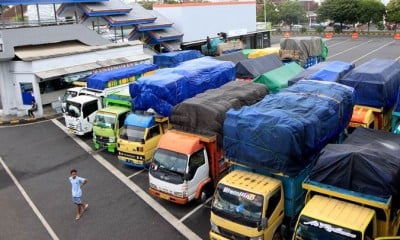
{"points": [[186, 166]]}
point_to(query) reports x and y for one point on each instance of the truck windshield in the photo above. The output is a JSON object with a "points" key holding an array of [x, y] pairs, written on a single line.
{"points": [[237, 205], [132, 133], [73, 109], [104, 120], [313, 229], [68, 94], [169, 166]]}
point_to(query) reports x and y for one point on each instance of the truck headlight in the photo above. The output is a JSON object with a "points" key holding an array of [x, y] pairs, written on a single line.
{"points": [[214, 227], [111, 139], [261, 237]]}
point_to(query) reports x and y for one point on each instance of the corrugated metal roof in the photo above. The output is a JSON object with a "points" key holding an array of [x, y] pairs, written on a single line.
{"points": [[33, 2], [90, 66], [105, 8]]}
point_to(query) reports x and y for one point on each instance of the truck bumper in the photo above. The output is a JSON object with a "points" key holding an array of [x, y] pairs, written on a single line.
{"points": [[134, 162], [168, 197], [216, 236], [76, 132], [111, 147]]}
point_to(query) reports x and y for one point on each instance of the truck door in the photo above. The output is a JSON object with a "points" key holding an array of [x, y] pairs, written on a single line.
{"points": [[89, 111], [152, 137], [197, 171]]}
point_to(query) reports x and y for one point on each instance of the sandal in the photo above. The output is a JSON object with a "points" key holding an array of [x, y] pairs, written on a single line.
{"points": [[77, 217]]}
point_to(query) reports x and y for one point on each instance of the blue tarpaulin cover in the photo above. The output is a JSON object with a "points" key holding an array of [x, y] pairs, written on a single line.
{"points": [[172, 59], [170, 86], [140, 120], [376, 82], [324, 71], [99, 80], [285, 130]]}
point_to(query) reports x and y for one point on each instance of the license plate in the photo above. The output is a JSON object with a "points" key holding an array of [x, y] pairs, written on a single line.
{"points": [[71, 130], [164, 196]]}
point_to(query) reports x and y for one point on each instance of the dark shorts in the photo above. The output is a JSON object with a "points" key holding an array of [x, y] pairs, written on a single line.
{"points": [[77, 200]]}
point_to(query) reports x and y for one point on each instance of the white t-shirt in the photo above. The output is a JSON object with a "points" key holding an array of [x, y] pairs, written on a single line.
{"points": [[76, 186]]}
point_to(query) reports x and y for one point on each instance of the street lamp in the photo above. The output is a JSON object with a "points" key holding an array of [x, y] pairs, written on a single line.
{"points": [[265, 14]]}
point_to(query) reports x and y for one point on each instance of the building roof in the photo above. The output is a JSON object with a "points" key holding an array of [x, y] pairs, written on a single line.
{"points": [[18, 37], [33, 2], [114, 7]]}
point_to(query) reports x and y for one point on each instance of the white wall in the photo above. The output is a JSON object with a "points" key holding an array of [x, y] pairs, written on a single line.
{"points": [[199, 20]]}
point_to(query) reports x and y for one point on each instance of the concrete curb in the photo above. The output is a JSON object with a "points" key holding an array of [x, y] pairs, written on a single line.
{"points": [[24, 120]]}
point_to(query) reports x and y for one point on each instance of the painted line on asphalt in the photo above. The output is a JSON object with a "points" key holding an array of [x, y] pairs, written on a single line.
{"points": [[338, 43], [183, 229], [136, 173], [30, 202], [359, 45], [356, 60], [397, 59], [194, 210]]}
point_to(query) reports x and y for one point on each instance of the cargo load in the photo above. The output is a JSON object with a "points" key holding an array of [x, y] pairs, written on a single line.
{"points": [[376, 83], [324, 71], [234, 57], [284, 130], [170, 86], [205, 113], [107, 79], [367, 162], [307, 51], [278, 78], [252, 68], [264, 51], [172, 59]]}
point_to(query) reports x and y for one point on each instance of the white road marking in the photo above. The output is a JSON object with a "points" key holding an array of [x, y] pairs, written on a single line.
{"points": [[136, 173], [359, 45], [193, 211], [30, 202], [356, 60], [184, 230], [335, 44]]}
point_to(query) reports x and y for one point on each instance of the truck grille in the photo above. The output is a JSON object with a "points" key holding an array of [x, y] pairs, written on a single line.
{"points": [[129, 155], [101, 139], [232, 235]]}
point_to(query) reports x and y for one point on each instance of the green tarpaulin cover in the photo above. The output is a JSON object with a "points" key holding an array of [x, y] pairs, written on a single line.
{"points": [[278, 78]]}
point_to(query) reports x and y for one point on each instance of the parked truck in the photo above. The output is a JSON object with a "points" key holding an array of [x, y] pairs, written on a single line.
{"points": [[353, 190], [139, 137], [376, 83], [109, 120], [160, 92], [271, 146], [189, 159], [99, 85]]}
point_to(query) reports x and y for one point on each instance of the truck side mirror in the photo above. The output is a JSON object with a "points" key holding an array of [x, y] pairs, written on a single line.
{"points": [[263, 224]]}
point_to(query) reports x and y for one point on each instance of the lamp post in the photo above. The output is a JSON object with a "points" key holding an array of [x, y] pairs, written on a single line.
{"points": [[265, 13]]}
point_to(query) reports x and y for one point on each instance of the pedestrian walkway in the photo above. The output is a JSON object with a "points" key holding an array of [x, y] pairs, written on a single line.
{"points": [[48, 113]]}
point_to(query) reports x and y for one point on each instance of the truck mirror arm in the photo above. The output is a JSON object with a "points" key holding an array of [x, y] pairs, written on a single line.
{"points": [[262, 224]]}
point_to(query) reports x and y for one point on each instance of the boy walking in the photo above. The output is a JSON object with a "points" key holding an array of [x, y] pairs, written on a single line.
{"points": [[77, 183]]}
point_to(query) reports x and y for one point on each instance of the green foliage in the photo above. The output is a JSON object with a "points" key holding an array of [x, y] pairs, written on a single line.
{"points": [[342, 11], [303, 29], [371, 11], [393, 11], [291, 12], [380, 26], [271, 13], [147, 5], [319, 29]]}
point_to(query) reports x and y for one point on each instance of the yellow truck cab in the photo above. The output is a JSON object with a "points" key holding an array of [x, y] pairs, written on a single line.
{"points": [[329, 218], [139, 137], [249, 203]]}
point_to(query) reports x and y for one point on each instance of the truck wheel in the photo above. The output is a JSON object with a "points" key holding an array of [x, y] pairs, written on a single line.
{"points": [[277, 235]]}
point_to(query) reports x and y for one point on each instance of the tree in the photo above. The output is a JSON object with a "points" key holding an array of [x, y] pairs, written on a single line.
{"points": [[291, 12], [341, 11], [371, 11], [393, 11], [271, 10]]}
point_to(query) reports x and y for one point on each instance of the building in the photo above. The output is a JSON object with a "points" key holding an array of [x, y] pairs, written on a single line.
{"points": [[44, 61]]}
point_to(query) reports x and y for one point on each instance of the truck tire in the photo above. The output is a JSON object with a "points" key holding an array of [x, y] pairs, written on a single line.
{"points": [[277, 235]]}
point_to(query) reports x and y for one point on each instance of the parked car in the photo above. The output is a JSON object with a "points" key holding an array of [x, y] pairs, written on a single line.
{"points": [[316, 25]]}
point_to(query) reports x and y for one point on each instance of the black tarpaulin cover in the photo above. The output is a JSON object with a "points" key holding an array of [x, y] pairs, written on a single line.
{"points": [[368, 162], [234, 57], [252, 68], [205, 112]]}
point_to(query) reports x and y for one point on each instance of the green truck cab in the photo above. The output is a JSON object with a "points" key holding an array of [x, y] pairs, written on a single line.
{"points": [[109, 120], [139, 136]]}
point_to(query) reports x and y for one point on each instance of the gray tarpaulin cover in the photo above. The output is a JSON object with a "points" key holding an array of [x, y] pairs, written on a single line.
{"points": [[308, 46], [254, 67], [205, 113], [282, 131], [234, 57], [368, 162], [376, 82]]}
